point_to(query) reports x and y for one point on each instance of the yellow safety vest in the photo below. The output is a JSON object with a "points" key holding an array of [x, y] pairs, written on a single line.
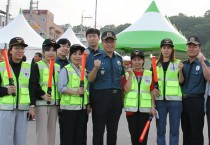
{"points": [[133, 100], [22, 99], [172, 87], [74, 102], [43, 81]]}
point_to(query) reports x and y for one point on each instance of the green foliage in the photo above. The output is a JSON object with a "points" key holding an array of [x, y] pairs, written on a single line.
{"points": [[198, 26], [116, 29], [80, 28]]}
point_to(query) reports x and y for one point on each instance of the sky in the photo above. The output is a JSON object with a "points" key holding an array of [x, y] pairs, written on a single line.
{"points": [[108, 11]]}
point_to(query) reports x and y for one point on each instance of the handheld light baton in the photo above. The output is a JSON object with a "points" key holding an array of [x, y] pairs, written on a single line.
{"points": [[9, 73], [146, 127], [49, 89], [83, 72], [154, 67]]}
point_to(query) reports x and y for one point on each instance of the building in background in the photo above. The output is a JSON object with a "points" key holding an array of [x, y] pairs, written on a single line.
{"points": [[3, 19], [42, 21]]}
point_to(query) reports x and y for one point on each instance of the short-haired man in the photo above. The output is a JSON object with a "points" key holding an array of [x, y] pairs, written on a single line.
{"points": [[106, 101], [62, 60], [93, 37], [196, 72]]}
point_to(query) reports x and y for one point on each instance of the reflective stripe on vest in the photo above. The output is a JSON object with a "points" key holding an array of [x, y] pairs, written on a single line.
{"points": [[131, 97], [172, 87], [43, 81], [44, 103], [9, 102], [72, 107], [73, 102]]}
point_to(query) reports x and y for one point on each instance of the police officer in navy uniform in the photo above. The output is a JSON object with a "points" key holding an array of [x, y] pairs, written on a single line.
{"points": [[106, 101], [196, 72], [93, 37]]}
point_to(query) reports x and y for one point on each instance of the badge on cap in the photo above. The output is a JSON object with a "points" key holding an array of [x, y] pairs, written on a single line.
{"points": [[109, 34], [197, 68], [19, 39], [192, 39]]}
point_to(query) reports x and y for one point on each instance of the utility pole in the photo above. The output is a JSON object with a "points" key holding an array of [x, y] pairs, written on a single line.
{"points": [[82, 19], [7, 11], [95, 14], [31, 9]]}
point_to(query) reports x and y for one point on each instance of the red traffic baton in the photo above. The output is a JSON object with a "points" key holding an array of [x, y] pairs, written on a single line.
{"points": [[9, 73], [154, 67], [146, 127], [51, 67], [82, 77]]}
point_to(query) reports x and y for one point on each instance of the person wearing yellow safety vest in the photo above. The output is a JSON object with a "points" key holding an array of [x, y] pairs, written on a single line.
{"points": [[73, 106], [14, 100], [46, 114], [138, 102], [169, 99]]}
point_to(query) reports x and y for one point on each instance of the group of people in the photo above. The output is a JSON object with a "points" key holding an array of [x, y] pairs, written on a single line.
{"points": [[108, 88]]}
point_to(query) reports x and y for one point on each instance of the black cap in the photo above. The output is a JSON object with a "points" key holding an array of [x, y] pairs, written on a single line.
{"points": [[17, 41], [76, 47], [166, 41], [193, 40], [138, 53], [108, 34], [50, 42]]}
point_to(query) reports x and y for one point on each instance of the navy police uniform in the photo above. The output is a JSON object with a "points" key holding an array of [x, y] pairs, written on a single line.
{"points": [[106, 98], [193, 90]]}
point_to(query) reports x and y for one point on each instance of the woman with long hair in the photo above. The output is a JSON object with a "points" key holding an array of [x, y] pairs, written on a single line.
{"points": [[169, 100]]}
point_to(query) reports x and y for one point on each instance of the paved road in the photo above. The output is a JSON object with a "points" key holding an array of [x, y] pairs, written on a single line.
{"points": [[123, 133]]}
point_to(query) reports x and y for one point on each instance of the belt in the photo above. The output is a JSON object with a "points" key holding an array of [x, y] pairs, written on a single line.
{"points": [[192, 95], [114, 91]]}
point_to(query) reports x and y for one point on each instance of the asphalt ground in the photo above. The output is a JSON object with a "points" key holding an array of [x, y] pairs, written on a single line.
{"points": [[123, 133]]}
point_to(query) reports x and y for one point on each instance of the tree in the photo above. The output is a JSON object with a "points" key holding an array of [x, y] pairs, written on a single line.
{"points": [[65, 26], [79, 28], [206, 50], [122, 27], [108, 28], [207, 14]]}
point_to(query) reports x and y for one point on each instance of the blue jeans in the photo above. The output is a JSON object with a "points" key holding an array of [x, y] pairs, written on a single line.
{"points": [[174, 108]]}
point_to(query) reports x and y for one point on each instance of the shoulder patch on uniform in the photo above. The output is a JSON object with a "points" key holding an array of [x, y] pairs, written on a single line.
{"points": [[97, 54], [185, 61], [116, 53]]}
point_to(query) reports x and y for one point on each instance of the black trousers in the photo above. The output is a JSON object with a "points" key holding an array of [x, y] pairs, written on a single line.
{"points": [[208, 116], [73, 122], [106, 112], [136, 123], [85, 130], [192, 120]]}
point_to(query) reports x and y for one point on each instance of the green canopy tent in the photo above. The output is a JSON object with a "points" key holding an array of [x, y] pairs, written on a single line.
{"points": [[147, 33]]}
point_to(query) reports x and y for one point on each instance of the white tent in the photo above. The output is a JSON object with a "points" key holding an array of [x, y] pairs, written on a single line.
{"points": [[69, 34], [148, 31], [19, 27]]}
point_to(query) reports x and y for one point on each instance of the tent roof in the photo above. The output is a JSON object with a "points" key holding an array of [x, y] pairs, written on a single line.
{"points": [[69, 34], [148, 31], [152, 8], [19, 27]]}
